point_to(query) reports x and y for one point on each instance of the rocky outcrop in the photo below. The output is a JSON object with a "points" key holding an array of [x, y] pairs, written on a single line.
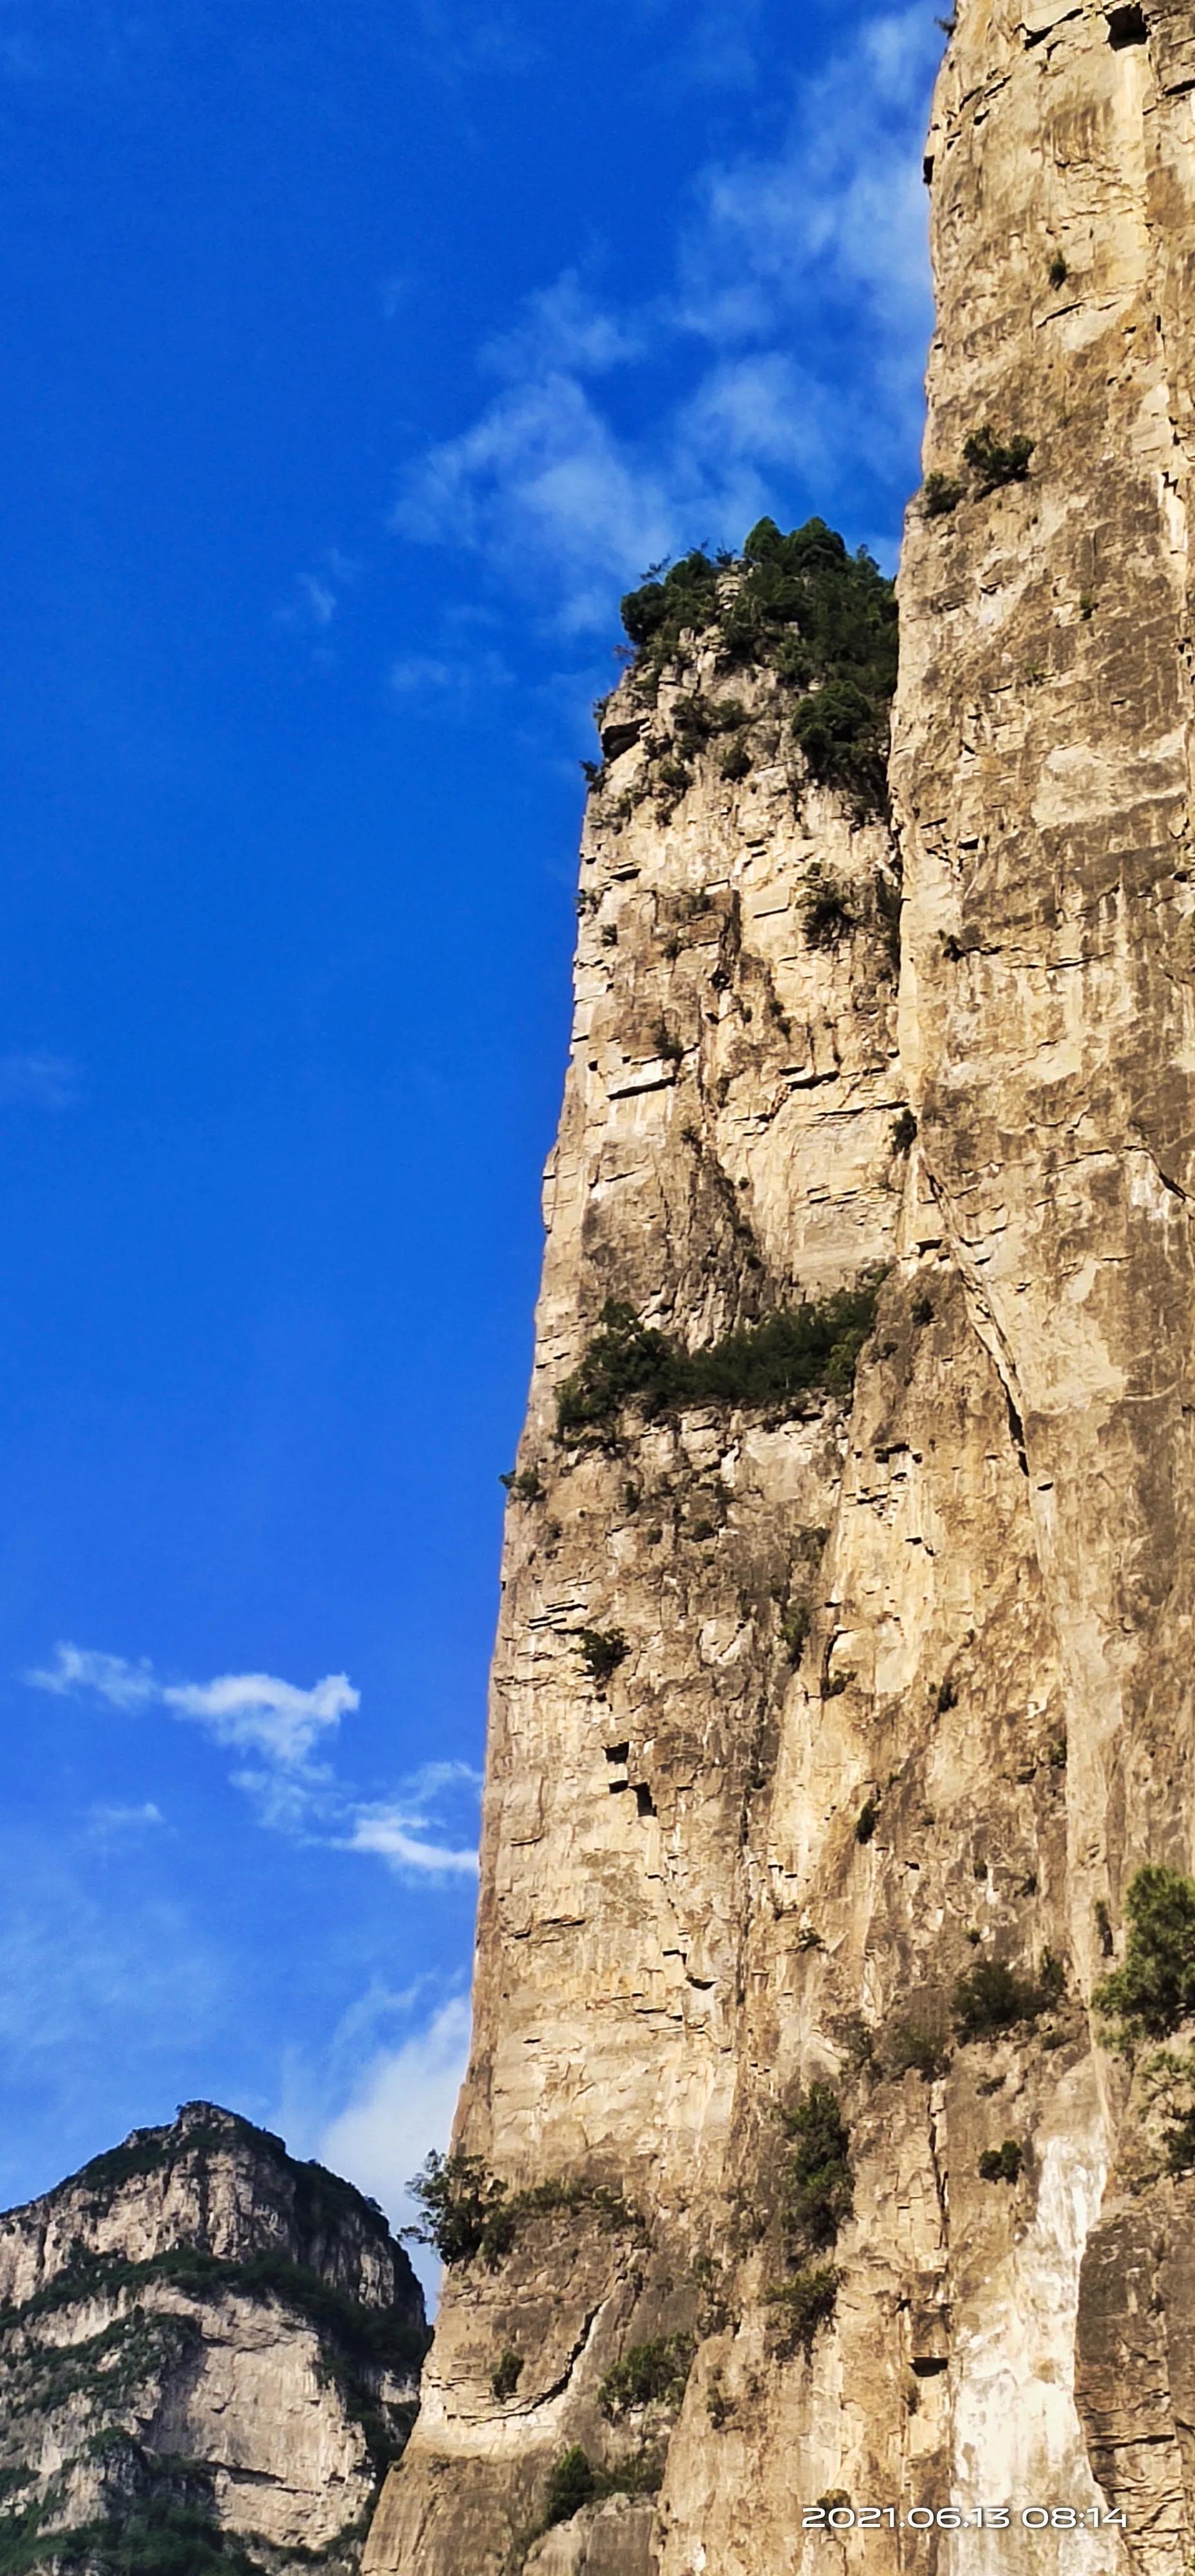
{"points": [[209, 2354], [830, 1729]]}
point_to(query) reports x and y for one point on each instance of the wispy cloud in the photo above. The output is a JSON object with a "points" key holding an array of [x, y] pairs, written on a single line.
{"points": [[319, 594], [261, 1715], [450, 680], [116, 1823], [285, 1725], [395, 1828], [110, 1677], [568, 489], [402, 2107], [252, 1711], [38, 1081]]}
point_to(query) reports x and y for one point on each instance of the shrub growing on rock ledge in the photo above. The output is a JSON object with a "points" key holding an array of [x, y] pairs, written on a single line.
{"points": [[940, 494], [843, 732], [993, 1998], [603, 1653], [572, 2482], [459, 2200], [811, 1349], [803, 2304], [819, 2187], [1154, 1991], [920, 2045], [1003, 2163], [505, 2378], [467, 2212], [649, 2374], [994, 461]]}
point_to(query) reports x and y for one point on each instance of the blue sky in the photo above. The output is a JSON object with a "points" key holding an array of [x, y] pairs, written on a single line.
{"points": [[359, 355]]}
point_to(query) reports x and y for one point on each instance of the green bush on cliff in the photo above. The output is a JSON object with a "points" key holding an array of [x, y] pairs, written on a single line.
{"points": [[811, 1349], [602, 1651], [825, 908], [459, 2201], [819, 2191], [1154, 1990], [940, 494], [824, 618], [992, 1998], [843, 731], [649, 2374], [466, 2212], [151, 2539], [994, 461], [1003, 2163], [818, 2197], [801, 2305], [658, 613], [574, 2482]]}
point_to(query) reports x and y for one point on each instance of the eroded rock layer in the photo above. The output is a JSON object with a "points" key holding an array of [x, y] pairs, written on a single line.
{"points": [[209, 2354], [829, 1730]]}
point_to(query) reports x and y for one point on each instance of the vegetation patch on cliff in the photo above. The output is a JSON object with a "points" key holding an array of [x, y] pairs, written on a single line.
{"points": [[992, 1998], [574, 2481], [817, 2198], [798, 1352], [650, 2374], [377, 2336], [357, 2345], [466, 2212], [1002, 2163], [1154, 1990], [819, 2191], [151, 2539], [802, 2304], [824, 618]]}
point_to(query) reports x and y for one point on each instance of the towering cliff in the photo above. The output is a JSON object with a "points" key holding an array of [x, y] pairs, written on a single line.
{"points": [[208, 2356], [838, 1706]]}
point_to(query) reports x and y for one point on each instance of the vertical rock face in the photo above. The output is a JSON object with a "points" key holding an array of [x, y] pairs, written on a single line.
{"points": [[208, 2355], [1043, 768], [828, 1734]]}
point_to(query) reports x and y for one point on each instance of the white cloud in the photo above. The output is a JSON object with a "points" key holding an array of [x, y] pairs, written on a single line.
{"points": [[387, 1830], [449, 684], [78, 1668], [413, 674], [253, 1711], [403, 2106], [756, 410], [258, 1714], [838, 214], [38, 1081], [563, 326], [540, 479], [321, 600], [284, 1725], [567, 497]]}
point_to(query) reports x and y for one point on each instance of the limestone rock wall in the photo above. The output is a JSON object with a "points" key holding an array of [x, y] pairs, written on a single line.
{"points": [[765, 1853], [202, 2344]]}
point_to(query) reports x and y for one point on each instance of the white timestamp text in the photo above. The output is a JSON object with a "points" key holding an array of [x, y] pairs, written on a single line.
{"points": [[959, 2517]]}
